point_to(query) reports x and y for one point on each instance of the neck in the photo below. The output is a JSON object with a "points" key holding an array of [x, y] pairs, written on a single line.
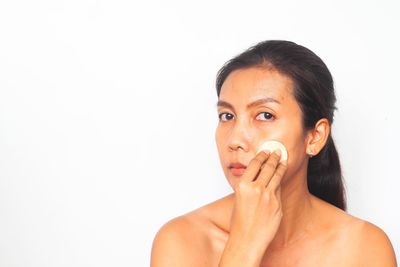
{"points": [[297, 213]]}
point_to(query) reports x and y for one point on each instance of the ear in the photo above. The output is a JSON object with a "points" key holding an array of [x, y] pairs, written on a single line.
{"points": [[317, 137]]}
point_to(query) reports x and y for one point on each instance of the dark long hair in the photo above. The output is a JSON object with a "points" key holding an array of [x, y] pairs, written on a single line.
{"points": [[314, 92]]}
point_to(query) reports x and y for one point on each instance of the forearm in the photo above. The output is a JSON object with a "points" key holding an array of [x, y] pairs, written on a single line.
{"points": [[239, 254]]}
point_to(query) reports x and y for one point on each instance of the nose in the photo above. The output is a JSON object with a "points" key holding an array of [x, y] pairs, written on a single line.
{"points": [[239, 137]]}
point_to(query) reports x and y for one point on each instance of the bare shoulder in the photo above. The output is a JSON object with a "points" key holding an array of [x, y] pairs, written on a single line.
{"points": [[356, 241], [185, 240], [173, 242], [375, 246], [367, 244]]}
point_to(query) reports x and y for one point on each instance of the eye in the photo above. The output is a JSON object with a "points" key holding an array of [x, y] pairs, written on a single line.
{"points": [[265, 116], [225, 116]]}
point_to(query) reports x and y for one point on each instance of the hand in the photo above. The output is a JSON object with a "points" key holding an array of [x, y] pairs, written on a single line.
{"points": [[257, 210]]}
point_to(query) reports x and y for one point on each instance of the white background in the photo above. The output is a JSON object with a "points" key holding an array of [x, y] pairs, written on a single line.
{"points": [[107, 116]]}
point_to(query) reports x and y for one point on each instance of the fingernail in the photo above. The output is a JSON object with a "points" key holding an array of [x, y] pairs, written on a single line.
{"points": [[278, 152], [267, 151], [284, 162]]}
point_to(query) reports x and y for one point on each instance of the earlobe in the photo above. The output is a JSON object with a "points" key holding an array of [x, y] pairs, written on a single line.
{"points": [[318, 137]]}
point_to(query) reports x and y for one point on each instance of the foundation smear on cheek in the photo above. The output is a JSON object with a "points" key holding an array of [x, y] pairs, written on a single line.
{"points": [[273, 145]]}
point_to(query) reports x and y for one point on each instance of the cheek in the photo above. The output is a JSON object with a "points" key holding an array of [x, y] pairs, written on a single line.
{"points": [[219, 138], [289, 133], [296, 145]]}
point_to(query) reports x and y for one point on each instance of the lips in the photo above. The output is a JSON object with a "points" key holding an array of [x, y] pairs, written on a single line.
{"points": [[237, 165], [237, 168]]}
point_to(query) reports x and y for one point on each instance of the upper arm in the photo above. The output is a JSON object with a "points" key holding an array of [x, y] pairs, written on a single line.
{"points": [[171, 245], [375, 247]]}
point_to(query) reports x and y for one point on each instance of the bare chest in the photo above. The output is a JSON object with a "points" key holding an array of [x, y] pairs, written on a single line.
{"points": [[307, 254], [307, 260], [311, 253]]}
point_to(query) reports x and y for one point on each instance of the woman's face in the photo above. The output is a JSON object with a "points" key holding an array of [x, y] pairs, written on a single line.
{"points": [[256, 105]]}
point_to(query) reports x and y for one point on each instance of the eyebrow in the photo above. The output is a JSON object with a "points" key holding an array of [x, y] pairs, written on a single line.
{"points": [[222, 103]]}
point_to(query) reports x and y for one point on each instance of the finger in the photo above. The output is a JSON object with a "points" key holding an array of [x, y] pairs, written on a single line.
{"points": [[268, 169], [255, 165], [275, 181]]}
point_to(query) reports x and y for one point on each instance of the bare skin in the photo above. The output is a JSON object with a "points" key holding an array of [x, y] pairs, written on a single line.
{"points": [[271, 219]]}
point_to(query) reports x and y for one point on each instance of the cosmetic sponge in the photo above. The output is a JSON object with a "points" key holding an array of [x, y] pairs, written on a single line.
{"points": [[273, 145]]}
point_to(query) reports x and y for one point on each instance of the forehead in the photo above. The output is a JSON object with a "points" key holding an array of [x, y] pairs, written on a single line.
{"points": [[246, 85]]}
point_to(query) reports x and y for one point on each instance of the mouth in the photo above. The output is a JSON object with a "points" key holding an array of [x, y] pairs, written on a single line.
{"points": [[237, 169]]}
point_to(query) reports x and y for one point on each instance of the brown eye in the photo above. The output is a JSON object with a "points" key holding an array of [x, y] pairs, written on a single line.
{"points": [[225, 116], [265, 116]]}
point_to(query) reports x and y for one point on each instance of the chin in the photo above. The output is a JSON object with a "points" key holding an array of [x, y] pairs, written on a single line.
{"points": [[232, 181]]}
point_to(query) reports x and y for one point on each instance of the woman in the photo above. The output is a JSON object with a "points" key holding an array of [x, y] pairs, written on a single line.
{"points": [[282, 213]]}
